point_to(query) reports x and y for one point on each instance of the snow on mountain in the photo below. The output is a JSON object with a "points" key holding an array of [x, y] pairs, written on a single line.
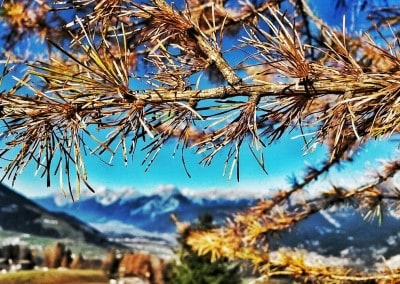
{"points": [[117, 228], [330, 219], [149, 212], [338, 232], [107, 197], [165, 199], [167, 191], [218, 194], [102, 195]]}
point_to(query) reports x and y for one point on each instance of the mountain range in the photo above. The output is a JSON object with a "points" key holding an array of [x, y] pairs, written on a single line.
{"points": [[146, 212], [144, 219], [339, 232]]}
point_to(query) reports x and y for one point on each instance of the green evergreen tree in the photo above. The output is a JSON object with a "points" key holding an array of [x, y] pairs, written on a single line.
{"points": [[191, 268]]}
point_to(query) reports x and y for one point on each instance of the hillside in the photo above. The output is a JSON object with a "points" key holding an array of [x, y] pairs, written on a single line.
{"points": [[19, 214]]}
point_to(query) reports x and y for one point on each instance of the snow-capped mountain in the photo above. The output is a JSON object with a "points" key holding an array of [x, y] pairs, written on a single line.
{"points": [[148, 212], [344, 233], [341, 233]]}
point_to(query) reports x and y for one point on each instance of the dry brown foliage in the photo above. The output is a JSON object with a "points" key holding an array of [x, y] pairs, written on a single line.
{"points": [[337, 89], [144, 266], [56, 256]]}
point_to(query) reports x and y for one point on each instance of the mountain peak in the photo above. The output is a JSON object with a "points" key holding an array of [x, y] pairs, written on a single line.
{"points": [[107, 196], [103, 195], [167, 191]]}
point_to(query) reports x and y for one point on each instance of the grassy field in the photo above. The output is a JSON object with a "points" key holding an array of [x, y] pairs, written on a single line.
{"points": [[53, 276]]}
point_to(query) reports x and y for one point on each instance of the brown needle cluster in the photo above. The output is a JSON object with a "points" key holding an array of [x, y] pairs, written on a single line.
{"points": [[120, 74]]}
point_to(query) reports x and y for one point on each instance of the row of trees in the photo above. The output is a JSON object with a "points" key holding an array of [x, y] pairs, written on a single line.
{"points": [[53, 256], [15, 254], [336, 89], [58, 255]]}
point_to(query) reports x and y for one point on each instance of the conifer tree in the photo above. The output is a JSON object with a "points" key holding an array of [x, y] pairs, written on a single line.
{"points": [[191, 268]]}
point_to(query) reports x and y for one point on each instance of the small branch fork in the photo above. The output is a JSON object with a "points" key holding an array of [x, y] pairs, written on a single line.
{"points": [[341, 93], [92, 89]]}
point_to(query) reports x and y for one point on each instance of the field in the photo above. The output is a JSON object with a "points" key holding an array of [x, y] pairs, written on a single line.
{"points": [[53, 276]]}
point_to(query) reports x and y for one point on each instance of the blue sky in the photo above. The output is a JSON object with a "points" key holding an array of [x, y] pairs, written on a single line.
{"points": [[283, 158]]}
